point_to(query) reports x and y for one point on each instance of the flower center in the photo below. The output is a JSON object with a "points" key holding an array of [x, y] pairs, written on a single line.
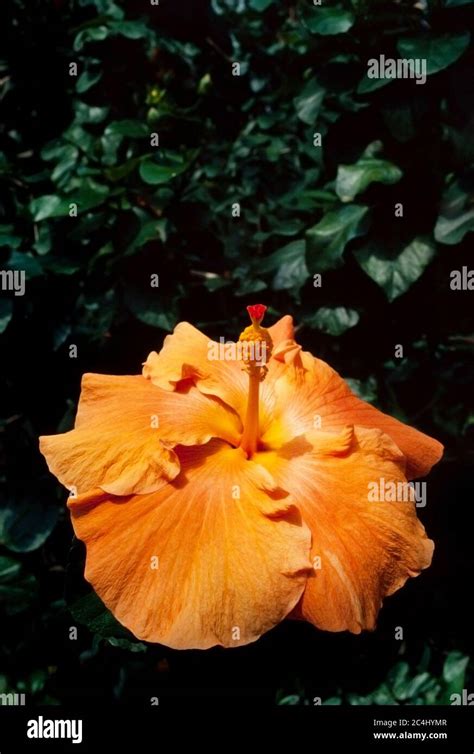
{"points": [[256, 351]]}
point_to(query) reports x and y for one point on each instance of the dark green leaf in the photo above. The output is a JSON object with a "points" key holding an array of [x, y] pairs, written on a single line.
{"points": [[154, 174], [333, 320], [416, 686], [67, 160], [131, 646], [87, 80], [90, 611], [309, 102], [439, 51], [383, 696], [8, 237], [261, 5], [367, 85], [17, 588], [290, 700], [133, 128], [289, 261], [93, 34], [48, 206], [396, 271], [43, 241], [328, 21], [152, 230], [454, 668], [26, 524], [6, 311], [361, 701], [456, 217], [90, 113], [364, 389], [353, 179], [150, 306], [26, 262], [327, 240], [88, 194]]}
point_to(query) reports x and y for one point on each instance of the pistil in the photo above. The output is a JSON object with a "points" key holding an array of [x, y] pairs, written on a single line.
{"points": [[257, 347]]}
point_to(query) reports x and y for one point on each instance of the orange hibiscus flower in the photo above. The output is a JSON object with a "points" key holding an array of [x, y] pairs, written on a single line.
{"points": [[227, 487]]}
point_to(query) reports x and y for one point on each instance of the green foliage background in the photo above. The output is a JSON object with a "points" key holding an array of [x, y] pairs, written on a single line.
{"points": [[306, 210]]}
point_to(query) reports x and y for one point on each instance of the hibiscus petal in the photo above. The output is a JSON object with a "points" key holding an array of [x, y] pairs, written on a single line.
{"points": [[120, 464], [124, 427], [314, 395], [232, 558], [282, 330], [185, 357], [362, 550]]}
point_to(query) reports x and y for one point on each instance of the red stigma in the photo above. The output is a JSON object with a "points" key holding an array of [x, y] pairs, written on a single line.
{"points": [[257, 313]]}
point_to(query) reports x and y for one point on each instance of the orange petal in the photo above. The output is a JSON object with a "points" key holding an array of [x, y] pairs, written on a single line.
{"points": [[123, 428], [185, 357], [315, 396], [362, 550], [120, 464], [282, 330], [231, 559]]}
